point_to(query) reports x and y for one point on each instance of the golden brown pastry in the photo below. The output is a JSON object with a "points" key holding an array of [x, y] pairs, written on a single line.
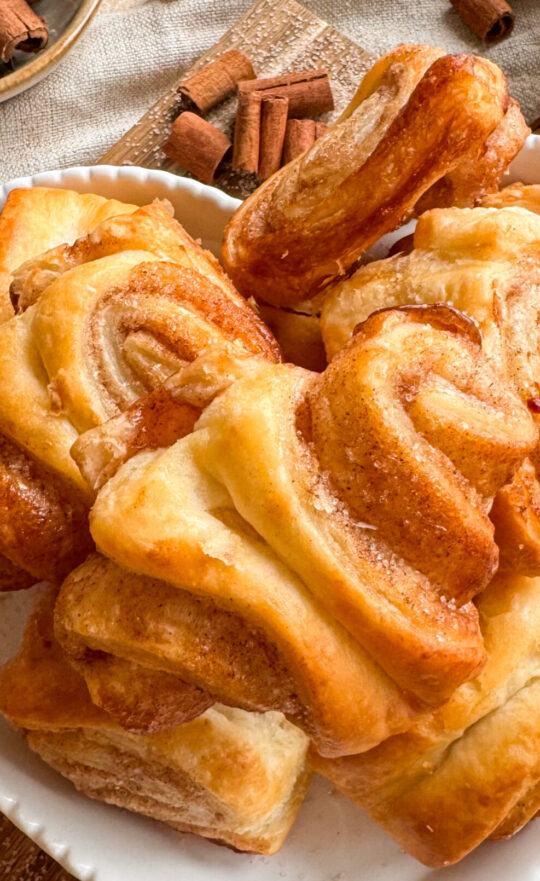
{"points": [[419, 117], [471, 770], [236, 777], [104, 321], [336, 522], [485, 262], [161, 417], [36, 219]]}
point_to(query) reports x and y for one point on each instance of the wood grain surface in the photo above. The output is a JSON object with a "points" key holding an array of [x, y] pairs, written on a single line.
{"points": [[22, 860], [278, 36]]}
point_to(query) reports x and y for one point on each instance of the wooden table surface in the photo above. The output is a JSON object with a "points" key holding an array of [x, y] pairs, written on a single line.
{"points": [[22, 860]]}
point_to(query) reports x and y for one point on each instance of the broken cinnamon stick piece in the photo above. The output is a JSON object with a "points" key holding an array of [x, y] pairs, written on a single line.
{"points": [[247, 132], [217, 80], [299, 137], [196, 145], [20, 28], [274, 112], [308, 91], [489, 19]]}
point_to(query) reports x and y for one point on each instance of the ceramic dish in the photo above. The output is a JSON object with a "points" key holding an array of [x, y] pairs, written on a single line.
{"points": [[332, 840], [66, 21]]}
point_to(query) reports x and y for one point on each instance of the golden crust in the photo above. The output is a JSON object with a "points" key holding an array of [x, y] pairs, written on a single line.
{"points": [[309, 222], [480, 172], [36, 219], [485, 262], [102, 324], [151, 228], [272, 484], [229, 775], [472, 769]]}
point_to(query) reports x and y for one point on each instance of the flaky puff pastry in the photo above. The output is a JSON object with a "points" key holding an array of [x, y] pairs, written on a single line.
{"points": [[340, 519], [420, 117], [485, 262], [232, 776], [471, 770], [38, 218], [105, 321]]}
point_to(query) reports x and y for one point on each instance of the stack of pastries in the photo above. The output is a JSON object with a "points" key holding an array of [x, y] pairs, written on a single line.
{"points": [[258, 569]]}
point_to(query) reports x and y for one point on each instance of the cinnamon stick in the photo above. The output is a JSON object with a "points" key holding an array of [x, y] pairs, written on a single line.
{"points": [[196, 145], [247, 132], [274, 110], [308, 91], [217, 80], [489, 19], [299, 137], [20, 28]]}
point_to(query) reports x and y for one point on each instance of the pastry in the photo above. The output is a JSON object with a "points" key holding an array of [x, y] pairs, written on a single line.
{"points": [[101, 322], [235, 777], [419, 117], [340, 521], [471, 770], [36, 219], [485, 262]]}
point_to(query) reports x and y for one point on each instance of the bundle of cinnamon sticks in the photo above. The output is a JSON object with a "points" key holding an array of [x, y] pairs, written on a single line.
{"points": [[20, 29], [274, 119]]}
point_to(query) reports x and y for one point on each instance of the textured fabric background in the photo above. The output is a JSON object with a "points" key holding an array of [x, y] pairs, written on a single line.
{"points": [[133, 51]]}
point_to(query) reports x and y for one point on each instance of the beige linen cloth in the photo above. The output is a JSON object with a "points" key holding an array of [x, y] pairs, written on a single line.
{"points": [[133, 51]]}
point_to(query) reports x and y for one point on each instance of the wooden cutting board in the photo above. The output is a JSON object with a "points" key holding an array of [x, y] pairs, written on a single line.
{"points": [[278, 36]]}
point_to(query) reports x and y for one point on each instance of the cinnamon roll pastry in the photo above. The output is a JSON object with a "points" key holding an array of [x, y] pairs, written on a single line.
{"points": [[470, 770], [419, 118], [151, 228], [36, 219], [340, 519], [235, 777], [96, 333], [485, 262]]}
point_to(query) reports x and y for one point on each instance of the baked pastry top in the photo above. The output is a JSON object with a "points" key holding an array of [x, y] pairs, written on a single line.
{"points": [[422, 124], [101, 322], [38, 218], [232, 776], [485, 262], [472, 769], [281, 509]]}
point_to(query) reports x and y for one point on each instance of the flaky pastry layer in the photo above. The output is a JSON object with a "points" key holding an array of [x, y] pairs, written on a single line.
{"points": [[229, 775], [341, 516]]}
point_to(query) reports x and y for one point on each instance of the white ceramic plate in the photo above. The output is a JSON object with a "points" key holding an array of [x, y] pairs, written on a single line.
{"points": [[332, 840]]}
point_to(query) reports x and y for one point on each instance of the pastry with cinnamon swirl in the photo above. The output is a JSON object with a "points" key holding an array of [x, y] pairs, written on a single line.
{"points": [[424, 129], [38, 218], [332, 529], [485, 262], [235, 777], [471, 770], [102, 322]]}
